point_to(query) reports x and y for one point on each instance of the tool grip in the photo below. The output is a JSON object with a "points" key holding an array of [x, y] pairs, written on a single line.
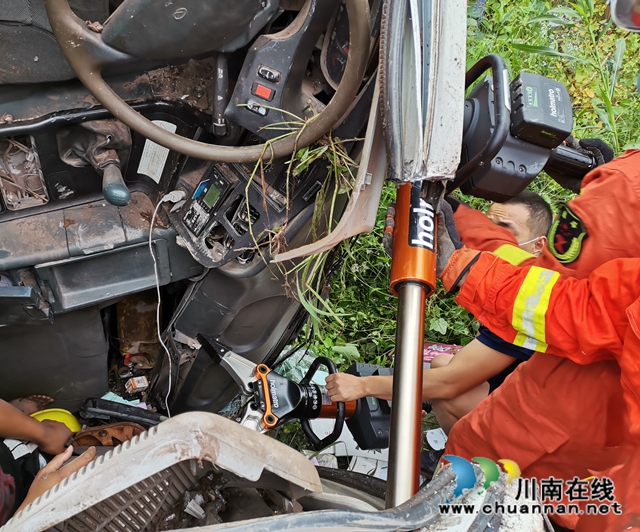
{"points": [[316, 442], [570, 163]]}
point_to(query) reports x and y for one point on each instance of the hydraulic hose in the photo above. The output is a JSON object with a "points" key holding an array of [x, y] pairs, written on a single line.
{"points": [[75, 38]]}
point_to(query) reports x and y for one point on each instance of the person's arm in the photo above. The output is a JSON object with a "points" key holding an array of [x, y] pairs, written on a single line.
{"points": [[347, 387], [478, 232], [532, 307], [581, 319], [474, 364], [471, 366], [50, 436]]}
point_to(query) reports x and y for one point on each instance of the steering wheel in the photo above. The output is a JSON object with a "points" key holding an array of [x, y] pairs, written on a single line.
{"points": [[88, 55]]}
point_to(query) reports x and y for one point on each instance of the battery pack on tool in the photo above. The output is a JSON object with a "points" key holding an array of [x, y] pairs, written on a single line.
{"points": [[370, 424], [540, 110]]}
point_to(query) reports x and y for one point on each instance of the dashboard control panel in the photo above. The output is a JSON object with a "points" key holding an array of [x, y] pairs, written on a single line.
{"points": [[206, 198]]}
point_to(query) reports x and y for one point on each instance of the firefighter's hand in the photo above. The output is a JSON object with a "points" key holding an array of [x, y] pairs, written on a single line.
{"points": [[55, 472], [343, 387], [448, 237], [601, 151], [598, 148]]}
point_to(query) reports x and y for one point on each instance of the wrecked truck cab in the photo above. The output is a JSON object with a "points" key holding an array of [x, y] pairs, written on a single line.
{"points": [[79, 190], [150, 211]]}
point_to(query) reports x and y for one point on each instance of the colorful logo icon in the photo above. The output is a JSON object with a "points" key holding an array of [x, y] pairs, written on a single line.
{"points": [[466, 477]]}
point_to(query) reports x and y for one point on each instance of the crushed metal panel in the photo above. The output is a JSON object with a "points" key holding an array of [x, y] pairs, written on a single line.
{"points": [[179, 445]]}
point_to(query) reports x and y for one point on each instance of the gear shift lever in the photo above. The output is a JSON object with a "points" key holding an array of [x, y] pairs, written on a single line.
{"points": [[113, 187], [105, 145]]}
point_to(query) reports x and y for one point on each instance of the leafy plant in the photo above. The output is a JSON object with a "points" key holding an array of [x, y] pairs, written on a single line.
{"points": [[304, 280], [575, 43]]}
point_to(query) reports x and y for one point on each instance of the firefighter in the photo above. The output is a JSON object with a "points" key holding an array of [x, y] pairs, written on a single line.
{"points": [[573, 411]]}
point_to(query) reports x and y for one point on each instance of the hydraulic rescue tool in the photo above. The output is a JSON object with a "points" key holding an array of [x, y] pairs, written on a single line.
{"points": [[270, 399], [511, 133]]}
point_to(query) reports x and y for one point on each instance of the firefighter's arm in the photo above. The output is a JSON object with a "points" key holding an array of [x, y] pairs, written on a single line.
{"points": [[477, 231], [584, 320]]}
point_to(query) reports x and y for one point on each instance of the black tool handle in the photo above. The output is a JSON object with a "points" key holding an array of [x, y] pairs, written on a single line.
{"points": [[570, 163], [316, 442], [501, 106]]}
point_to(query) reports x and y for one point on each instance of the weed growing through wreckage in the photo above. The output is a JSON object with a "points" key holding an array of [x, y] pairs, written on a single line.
{"points": [[305, 280]]}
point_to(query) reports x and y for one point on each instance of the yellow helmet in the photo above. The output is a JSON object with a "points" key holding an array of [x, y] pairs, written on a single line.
{"points": [[61, 415]]}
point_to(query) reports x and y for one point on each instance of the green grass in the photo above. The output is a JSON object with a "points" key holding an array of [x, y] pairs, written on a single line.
{"points": [[571, 42]]}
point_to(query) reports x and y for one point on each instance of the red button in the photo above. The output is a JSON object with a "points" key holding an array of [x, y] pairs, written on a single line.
{"points": [[262, 92]]}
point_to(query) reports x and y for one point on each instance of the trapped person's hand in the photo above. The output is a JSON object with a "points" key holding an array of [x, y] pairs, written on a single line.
{"points": [[55, 472]]}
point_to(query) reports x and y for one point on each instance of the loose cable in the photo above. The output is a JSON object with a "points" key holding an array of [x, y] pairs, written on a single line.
{"points": [[173, 197]]}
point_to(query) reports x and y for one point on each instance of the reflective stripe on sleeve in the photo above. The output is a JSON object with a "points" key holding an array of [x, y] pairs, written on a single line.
{"points": [[530, 308], [513, 254]]}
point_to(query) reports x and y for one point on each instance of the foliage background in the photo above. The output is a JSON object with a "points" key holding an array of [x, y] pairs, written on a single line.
{"points": [[572, 42]]}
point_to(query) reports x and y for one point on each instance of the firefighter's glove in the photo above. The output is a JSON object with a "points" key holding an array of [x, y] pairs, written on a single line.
{"points": [[598, 148], [454, 202], [448, 237]]}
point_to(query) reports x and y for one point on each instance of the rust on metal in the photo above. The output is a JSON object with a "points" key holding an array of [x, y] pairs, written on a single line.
{"points": [[136, 319]]}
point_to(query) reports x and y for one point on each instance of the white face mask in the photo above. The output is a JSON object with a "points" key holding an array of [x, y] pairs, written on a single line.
{"points": [[529, 241]]}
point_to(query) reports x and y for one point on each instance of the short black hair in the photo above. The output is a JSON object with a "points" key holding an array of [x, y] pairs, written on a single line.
{"points": [[539, 210]]}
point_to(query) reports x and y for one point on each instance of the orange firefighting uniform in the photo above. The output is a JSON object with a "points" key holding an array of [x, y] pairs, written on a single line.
{"points": [[575, 414], [566, 399], [601, 224]]}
